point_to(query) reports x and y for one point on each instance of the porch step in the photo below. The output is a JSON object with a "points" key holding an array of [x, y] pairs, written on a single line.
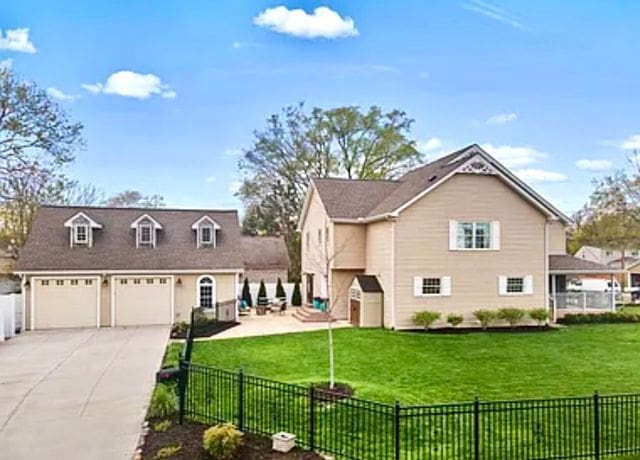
{"points": [[311, 315]]}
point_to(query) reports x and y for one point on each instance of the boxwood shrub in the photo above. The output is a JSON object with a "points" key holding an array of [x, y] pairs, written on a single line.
{"points": [[600, 318]]}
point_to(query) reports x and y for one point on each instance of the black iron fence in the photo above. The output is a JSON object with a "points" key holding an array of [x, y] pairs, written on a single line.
{"points": [[563, 428]]}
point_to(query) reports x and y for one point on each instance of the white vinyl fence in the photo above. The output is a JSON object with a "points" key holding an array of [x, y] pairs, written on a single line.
{"points": [[582, 301], [11, 315], [271, 290]]}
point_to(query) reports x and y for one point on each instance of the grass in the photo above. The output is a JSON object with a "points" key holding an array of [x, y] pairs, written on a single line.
{"points": [[429, 368]]}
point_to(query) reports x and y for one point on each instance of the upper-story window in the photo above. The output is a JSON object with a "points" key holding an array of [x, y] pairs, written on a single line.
{"points": [[474, 235], [81, 228], [319, 236], [206, 232], [146, 228], [307, 241]]}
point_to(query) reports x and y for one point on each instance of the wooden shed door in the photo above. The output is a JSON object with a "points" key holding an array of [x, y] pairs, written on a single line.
{"points": [[355, 311]]}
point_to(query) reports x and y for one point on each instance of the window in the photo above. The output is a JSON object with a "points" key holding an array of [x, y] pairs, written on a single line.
{"points": [[162, 281], [123, 281], [307, 241], [136, 281], [44, 283], [634, 253], [149, 280], [608, 253], [74, 282], [319, 236], [81, 234], [515, 285], [355, 294], [473, 235], [88, 282], [206, 235], [59, 282], [205, 292], [431, 286], [145, 235]]}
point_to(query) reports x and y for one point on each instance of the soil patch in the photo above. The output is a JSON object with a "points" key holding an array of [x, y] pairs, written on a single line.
{"points": [[189, 437], [323, 392]]}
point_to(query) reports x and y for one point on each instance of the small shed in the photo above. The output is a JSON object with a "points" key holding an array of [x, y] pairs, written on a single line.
{"points": [[365, 301]]}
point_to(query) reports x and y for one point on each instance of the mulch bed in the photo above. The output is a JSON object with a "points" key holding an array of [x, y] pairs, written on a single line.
{"points": [[205, 330], [472, 330], [323, 392], [189, 436]]}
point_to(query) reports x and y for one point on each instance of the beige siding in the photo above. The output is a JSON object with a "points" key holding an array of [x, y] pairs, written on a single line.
{"points": [[341, 281], [105, 305], [187, 292], [557, 238], [371, 309], [422, 248], [314, 260], [379, 262], [348, 245]]}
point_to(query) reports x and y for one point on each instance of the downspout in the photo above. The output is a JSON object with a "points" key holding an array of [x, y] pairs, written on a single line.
{"points": [[393, 271], [546, 264]]}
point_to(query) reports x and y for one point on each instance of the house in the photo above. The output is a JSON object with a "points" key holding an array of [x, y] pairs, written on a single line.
{"points": [[94, 266], [606, 256], [265, 258], [9, 283], [456, 235]]}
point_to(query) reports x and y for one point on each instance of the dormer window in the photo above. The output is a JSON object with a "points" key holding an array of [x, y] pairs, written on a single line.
{"points": [[206, 229], [81, 228], [146, 231]]}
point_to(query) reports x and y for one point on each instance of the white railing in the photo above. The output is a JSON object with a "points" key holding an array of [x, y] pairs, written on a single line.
{"points": [[585, 301], [11, 315]]}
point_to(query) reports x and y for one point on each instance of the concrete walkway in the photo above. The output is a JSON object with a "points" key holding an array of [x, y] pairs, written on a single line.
{"points": [[271, 324], [77, 394]]}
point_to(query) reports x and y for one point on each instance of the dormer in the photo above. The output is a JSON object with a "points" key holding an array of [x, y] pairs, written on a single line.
{"points": [[206, 229], [81, 229], [146, 228]]}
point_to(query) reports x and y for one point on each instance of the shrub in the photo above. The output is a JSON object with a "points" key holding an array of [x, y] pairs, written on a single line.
{"points": [[486, 317], [246, 293], [541, 315], [594, 318], [168, 451], [455, 320], [280, 294], [164, 402], [262, 293], [179, 328], [425, 318], [222, 441], [296, 297], [162, 425], [511, 315]]}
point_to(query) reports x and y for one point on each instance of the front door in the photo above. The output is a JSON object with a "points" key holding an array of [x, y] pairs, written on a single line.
{"points": [[309, 288], [354, 305]]}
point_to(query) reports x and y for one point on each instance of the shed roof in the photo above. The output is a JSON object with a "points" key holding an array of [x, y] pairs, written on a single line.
{"points": [[369, 283]]}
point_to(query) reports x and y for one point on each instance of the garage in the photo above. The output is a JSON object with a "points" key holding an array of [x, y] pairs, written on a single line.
{"points": [[142, 300], [65, 302]]}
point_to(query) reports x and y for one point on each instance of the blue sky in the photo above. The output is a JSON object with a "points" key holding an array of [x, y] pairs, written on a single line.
{"points": [[174, 89]]}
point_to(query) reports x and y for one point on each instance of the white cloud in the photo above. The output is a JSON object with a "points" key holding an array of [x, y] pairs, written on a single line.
{"points": [[240, 45], [131, 84], [594, 165], [6, 63], [429, 145], [210, 179], [533, 176], [493, 12], [501, 119], [512, 156], [60, 95], [631, 143], [323, 23], [232, 152], [16, 40], [234, 186]]}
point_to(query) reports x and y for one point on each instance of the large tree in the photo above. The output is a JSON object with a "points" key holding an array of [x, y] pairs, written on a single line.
{"points": [[37, 139], [133, 198], [297, 145]]}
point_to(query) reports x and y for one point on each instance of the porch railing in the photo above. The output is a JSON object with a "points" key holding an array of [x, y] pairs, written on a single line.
{"points": [[582, 301]]}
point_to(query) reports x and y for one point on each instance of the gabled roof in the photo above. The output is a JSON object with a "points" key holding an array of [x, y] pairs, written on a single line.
{"points": [[81, 215], [265, 253], [205, 218], [562, 263], [156, 225], [114, 248], [366, 201]]}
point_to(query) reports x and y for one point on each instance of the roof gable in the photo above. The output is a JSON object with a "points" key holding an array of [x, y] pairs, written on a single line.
{"points": [[144, 219], [206, 219], [85, 219]]}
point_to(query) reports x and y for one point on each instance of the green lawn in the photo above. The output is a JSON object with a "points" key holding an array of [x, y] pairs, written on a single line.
{"points": [[427, 368]]}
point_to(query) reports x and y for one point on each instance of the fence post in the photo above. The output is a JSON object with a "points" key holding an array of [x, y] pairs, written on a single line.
{"points": [[182, 389], [596, 425], [240, 400], [396, 431], [476, 429], [312, 419]]}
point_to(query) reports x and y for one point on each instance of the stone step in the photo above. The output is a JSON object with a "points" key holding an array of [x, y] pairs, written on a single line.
{"points": [[311, 315]]}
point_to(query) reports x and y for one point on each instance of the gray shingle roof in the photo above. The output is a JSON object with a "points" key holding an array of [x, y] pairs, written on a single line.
{"points": [[369, 283], [264, 253], [114, 246], [569, 263]]}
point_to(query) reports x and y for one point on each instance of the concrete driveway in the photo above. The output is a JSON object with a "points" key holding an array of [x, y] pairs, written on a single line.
{"points": [[77, 394]]}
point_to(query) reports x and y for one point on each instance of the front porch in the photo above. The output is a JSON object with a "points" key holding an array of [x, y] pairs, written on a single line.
{"points": [[563, 299]]}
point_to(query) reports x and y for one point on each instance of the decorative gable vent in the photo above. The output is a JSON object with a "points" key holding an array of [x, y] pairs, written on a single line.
{"points": [[206, 232], [477, 165], [81, 229], [146, 231]]}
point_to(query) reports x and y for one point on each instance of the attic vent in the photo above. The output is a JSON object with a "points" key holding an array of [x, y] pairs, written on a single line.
{"points": [[432, 178]]}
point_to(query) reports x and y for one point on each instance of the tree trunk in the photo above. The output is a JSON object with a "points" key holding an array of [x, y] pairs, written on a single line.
{"points": [[331, 364]]}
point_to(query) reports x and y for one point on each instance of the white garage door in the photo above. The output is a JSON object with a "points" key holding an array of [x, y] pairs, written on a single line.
{"points": [[139, 301], [65, 302]]}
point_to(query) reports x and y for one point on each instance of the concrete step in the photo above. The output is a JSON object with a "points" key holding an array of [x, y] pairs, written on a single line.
{"points": [[311, 315]]}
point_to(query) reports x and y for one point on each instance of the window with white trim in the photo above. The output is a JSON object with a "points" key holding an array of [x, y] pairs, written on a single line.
{"points": [[307, 241], [80, 234], [515, 285], [206, 235], [205, 291], [319, 236], [145, 235], [474, 235], [425, 286]]}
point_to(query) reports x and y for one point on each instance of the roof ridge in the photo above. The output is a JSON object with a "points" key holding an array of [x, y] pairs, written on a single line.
{"points": [[134, 208], [346, 179]]}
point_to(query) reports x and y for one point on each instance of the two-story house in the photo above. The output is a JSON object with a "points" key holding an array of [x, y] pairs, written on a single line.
{"points": [[96, 266], [456, 235]]}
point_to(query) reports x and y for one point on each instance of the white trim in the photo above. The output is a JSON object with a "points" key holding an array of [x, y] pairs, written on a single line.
{"points": [[156, 224], [584, 272], [92, 223], [545, 279], [393, 275], [172, 281], [198, 222], [214, 289], [527, 285], [127, 272], [237, 293], [32, 287], [493, 226], [445, 282]]}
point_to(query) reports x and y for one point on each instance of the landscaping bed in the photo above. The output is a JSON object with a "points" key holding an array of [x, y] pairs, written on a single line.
{"points": [[202, 330], [477, 330], [189, 437]]}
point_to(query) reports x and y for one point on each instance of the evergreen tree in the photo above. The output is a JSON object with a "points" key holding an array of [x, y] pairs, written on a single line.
{"points": [[246, 293], [262, 293], [280, 293], [296, 297]]}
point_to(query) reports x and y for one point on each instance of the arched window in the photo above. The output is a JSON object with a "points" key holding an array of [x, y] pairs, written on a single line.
{"points": [[206, 292]]}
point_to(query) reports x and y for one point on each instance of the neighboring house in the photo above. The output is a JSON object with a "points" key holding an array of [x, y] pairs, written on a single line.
{"points": [[605, 256], [9, 283], [455, 235], [630, 277], [92, 266], [265, 258]]}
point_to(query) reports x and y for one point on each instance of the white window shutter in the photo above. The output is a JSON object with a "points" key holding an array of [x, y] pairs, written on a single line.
{"points": [[502, 285], [453, 235], [528, 284], [445, 285], [495, 235], [417, 286]]}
